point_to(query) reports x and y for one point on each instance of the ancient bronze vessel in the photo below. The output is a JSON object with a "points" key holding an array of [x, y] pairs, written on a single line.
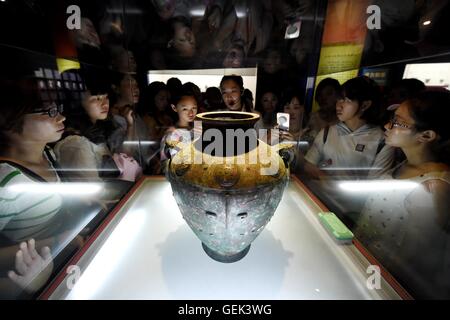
{"points": [[227, 194]]}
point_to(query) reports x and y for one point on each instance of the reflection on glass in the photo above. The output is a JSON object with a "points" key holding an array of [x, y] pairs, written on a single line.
{"points": [[372, 148]]}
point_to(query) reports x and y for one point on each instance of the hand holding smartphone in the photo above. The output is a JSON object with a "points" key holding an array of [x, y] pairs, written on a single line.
{"points": [[283, 121]]}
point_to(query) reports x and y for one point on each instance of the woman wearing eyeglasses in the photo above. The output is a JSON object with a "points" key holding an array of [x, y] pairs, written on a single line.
{"points": [[406, 221], [28, 218]]}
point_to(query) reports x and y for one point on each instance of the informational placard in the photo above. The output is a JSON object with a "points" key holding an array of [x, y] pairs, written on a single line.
{"points": [[338, 58], [342, 41], [379, 75]]}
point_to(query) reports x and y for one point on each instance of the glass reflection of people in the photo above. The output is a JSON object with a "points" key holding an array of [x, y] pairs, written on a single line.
{"points": [[181, 46], [272, 72], [27, 125], [122, 60], [408, 228], [87, 42], [249, 22], [126, 96], [235, 57], [182, 38], [86, 35], [126, 88], [165, 8]]}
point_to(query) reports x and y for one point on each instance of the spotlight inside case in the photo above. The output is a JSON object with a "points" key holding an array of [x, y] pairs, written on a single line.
{"points": [[293, 30]]}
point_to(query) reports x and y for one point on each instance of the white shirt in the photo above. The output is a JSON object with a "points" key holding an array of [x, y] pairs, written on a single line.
{"points": [[399, 226], [23, 214], [351, 151]]}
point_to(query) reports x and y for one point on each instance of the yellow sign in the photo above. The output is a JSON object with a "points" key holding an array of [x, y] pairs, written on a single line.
{"points": [[66, 64], [338, 61], [338, 58]]}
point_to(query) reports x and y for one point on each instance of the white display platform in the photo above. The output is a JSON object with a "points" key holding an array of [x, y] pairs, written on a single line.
{"points": [[149, 252]]}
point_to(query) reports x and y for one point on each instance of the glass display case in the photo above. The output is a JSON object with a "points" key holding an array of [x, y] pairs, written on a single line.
{"points": [[100, 100]]}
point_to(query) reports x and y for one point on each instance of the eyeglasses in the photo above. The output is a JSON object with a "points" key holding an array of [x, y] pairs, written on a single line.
{"points": [[52, 111], [394, 123]]}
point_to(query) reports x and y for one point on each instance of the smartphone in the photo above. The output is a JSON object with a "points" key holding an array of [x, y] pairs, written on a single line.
{"points": [[283, 121]]}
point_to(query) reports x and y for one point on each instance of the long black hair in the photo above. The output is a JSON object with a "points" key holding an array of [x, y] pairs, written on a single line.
{"points": [[77, 120], [362, 89]]}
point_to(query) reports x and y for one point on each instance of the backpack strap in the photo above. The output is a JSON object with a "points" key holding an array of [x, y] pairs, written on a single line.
{"points": [[50, 157], [60, 173], [325, 134], [381, 145]]}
